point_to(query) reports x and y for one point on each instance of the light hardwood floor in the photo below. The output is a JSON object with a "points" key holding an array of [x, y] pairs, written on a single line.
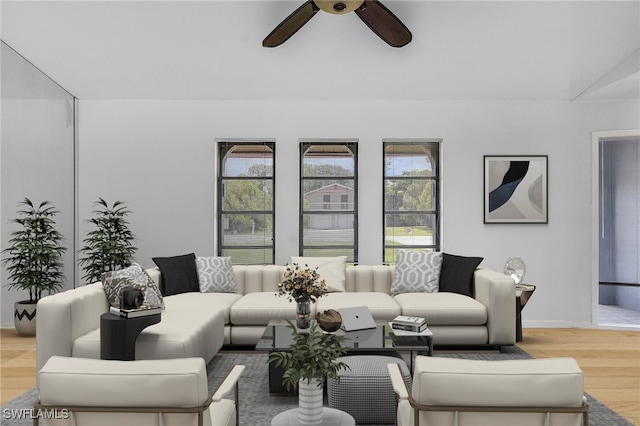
{"points": [[610, 360]]}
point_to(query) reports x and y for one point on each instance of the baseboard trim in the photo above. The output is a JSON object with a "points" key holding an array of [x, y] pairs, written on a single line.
{"points": [[557, 324]]}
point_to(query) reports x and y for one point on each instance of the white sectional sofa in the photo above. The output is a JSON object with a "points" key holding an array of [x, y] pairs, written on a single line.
{"points": [[197, 324]]}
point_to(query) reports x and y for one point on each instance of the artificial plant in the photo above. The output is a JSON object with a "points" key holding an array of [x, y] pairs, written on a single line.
{"points": [[109, 246]]}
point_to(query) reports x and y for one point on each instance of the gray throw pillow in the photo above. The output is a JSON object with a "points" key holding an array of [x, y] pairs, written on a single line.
{"points": [[416, 272], [215, 275], [133, 276]]}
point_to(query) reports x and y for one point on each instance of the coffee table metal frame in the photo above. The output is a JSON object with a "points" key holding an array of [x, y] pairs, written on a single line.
{"points": [[277, 337]]}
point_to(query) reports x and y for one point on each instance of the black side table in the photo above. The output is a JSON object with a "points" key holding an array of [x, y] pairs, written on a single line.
{"points": [[523, 294], [118, 335]]}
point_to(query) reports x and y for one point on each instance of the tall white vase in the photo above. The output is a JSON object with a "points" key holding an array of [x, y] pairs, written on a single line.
{"points": [[310, 402]]}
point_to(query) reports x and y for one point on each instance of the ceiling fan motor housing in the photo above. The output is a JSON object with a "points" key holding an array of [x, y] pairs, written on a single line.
{"points": [[338, 7]]}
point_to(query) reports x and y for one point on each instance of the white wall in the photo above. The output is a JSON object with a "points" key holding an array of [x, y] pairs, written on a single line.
{"points": [[158, 156]]}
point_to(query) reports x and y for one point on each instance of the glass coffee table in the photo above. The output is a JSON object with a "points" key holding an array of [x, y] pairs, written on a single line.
{"points": [[277, 337]]}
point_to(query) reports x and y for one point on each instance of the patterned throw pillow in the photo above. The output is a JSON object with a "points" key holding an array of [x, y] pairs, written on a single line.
{"points": [[215, 275], [416, 272], [133, 276]]}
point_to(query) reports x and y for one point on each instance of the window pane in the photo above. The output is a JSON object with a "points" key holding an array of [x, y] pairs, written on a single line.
{"points": [[408, 160], [328, 230], [329, 161], [328, 195], [248, 160], [249, 256], [391, 253], [409, 229], [330, 252], [409, 195], [247, 229], [247, 195]]}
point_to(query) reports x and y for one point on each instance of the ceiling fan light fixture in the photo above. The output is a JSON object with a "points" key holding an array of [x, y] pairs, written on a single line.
{"points": [[338, 7]]}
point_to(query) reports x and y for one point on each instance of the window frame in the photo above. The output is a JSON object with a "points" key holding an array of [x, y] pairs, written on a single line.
{"points": [[435, 147], [223, 147], [352, 145]]}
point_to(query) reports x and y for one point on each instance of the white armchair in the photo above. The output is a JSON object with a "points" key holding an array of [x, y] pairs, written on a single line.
{"points": [[80, 391], [458, 392]]}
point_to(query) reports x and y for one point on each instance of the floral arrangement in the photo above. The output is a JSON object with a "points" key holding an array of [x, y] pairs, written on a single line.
{"points": [[302, 284]]}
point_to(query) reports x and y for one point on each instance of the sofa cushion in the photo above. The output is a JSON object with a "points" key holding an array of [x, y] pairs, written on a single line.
{"points": [[179, 274], [179, 334], [100, 383], [382, 306], [416, 271], [134, 276], [187, 302], [331, 269], [215, 275], [443, 308], [456, 274], [553, 382], [259, 308]]}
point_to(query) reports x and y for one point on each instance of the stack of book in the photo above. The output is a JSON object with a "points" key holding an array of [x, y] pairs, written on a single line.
{"points": [[406, 323], [142, 311]]}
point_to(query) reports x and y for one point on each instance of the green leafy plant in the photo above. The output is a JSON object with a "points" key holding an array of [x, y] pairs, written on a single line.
{"points": [[110, 245], [312, 356], [34, 255]]}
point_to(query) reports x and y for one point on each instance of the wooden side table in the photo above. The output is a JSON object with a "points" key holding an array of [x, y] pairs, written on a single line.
{"points": [[523, 294], [118, 335]]}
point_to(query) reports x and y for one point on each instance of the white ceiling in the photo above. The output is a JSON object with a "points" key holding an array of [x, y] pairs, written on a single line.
{"points": [[212, 49]]}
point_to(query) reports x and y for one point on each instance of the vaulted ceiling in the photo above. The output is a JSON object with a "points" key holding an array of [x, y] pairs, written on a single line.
{"points": [[212, 49]]}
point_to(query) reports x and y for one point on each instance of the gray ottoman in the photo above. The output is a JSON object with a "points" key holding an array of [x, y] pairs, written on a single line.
{"points": [[365, 390]]}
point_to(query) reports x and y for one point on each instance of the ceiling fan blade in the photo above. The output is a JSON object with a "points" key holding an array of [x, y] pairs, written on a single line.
{"points": [[291, 24], [384, 23]]}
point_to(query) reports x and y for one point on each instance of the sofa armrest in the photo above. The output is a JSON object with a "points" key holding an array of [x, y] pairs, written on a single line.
{"points": [[497, 292], [63, 317], [397, 381]]}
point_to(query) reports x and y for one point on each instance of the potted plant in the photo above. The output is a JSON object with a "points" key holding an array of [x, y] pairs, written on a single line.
{"points": [[34, 259], [309, 362], [302, 286], [110, 245]]}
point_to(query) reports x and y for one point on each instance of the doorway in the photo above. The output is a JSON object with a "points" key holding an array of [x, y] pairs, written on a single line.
{"points": [[617, 229]]}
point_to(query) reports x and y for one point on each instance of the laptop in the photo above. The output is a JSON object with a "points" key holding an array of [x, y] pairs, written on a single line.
{"points": [[356, 318]]}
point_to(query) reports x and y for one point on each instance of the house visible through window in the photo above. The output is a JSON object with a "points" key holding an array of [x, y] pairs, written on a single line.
{"points": [[329, 194], [246, 200], [411, 196]]}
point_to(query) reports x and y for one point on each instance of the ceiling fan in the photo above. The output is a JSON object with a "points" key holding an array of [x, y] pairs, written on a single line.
{"points": [[373, 13]]}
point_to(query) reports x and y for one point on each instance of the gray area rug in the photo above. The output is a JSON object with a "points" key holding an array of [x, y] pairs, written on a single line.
{"points": [[257, 407]]}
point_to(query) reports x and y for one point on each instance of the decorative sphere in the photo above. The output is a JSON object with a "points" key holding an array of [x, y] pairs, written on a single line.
{"points": [[329, 320], [515, 268]]}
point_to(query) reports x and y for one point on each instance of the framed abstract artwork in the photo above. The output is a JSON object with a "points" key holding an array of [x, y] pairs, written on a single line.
{"points": [[515, 189]]}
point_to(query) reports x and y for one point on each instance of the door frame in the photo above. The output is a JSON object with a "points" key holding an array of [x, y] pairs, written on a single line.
{"points": [[596, 137]]}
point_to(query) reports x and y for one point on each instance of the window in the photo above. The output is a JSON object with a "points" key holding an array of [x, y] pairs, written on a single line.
{"points": [[246, 201], [329, 194], [411, 196]]}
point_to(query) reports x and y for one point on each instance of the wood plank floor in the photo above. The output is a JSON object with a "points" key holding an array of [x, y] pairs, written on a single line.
{"points": [[610, 360]]}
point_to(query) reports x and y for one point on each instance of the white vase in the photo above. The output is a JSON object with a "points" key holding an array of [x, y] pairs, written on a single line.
{"points": [[24, 317], [310, 402]]}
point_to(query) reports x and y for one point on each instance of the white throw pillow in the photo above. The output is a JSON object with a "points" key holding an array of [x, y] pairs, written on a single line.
{"points": [[416, 272], [215, 275], [331, 269]]}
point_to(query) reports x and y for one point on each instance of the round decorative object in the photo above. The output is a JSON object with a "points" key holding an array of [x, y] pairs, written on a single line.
{"points": [[515, 268], [329, 320], [310, 394], [24, 318], [303, 314]]}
